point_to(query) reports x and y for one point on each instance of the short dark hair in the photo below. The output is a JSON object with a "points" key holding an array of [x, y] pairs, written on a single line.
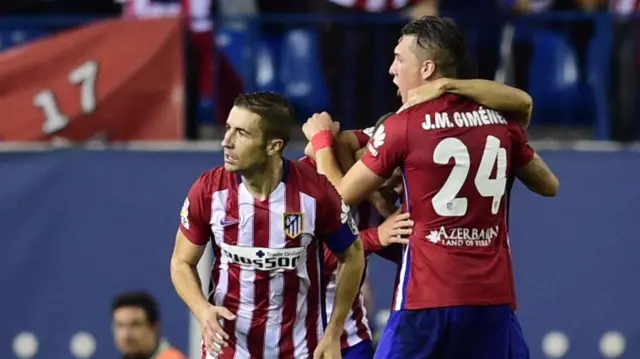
{"points": [[442, 38], [138, 299], [275, 111], [381, 121]]}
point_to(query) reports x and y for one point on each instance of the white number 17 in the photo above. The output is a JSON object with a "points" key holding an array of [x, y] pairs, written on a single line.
{"points": [[54, 120], [446, 202]]}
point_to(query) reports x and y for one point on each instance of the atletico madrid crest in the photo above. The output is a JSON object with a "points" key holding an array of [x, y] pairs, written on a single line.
{"points": [[293, 224]]}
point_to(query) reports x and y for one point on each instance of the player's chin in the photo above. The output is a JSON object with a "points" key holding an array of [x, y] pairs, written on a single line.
{"points": [[230, 167]]}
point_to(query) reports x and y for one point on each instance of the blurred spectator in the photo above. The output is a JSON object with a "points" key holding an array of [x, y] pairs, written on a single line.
{"points": [[266, 7], [360, 55], [482, 22], [136, 328], [625, 76], [207, 68], [578, 32]]}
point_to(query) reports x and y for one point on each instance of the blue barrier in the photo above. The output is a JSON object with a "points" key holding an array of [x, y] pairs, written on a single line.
{"points": [[81, 225], [565, 92]]}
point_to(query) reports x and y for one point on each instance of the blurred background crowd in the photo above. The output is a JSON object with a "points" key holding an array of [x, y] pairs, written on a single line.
{"points": [[82, 225], [578, 58]]}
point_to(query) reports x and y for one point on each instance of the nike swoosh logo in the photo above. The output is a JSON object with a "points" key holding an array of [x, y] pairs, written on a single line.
{"points": [[230, 222]]}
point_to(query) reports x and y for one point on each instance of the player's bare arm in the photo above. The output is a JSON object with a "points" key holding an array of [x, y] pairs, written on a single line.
{"points": [[347, 288], [487, 93], [348, 150], [318, 130], [185, 278], [538, 177]]}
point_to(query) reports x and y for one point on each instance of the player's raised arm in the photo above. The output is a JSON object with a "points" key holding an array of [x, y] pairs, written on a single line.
{"points": [[337, 229], [191, 239], [529, 167], [487, 93], [385, 152]]}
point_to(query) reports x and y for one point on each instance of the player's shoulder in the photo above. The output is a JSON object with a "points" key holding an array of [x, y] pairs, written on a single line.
{"points": [[307, 179], [216, 179], [307, 161]]}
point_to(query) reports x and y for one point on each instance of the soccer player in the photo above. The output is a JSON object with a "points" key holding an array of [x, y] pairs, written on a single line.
{"points": [[376, 237], [268, 219], [456, 297]]}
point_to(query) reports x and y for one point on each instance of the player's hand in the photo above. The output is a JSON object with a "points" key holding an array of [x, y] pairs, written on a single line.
{"points": [[328, 348], [316, 123], [308, 149], [424, 93], [395, 229], [214, 336]]}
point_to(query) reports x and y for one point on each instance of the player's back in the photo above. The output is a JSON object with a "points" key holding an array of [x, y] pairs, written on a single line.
{"points": [[455, 162]]}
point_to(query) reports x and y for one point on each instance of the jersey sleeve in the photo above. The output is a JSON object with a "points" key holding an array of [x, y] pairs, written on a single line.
{"points": [[363, 136], [387, 148], [334, 224], [521, 152], [195, 214], [308, 161], [370, 239]]}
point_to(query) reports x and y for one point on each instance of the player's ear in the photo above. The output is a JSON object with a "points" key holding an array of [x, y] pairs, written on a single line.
{"points": [[275, 146], [428, 69]]}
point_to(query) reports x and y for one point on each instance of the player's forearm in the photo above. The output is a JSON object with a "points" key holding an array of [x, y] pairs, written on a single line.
{"points": [[345, 154], [347, 288], [496, 96], [328, 165], [187, 283]]}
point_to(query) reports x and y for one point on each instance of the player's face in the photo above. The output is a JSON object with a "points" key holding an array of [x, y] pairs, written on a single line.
{"points": [[407, 69], [244, 144], [133, 334]]}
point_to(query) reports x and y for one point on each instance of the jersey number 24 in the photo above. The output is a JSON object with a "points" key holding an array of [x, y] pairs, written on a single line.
{"points": [[446, 202]]}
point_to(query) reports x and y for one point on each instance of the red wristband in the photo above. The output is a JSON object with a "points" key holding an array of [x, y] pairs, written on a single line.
{"points": [[321, 140]]}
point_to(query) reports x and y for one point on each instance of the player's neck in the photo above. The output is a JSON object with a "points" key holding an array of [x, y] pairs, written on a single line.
{"points": [[262, 181]]}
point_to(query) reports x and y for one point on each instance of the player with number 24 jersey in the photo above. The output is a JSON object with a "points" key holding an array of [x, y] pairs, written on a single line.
{"points": [[458, 246], [456, 157]]}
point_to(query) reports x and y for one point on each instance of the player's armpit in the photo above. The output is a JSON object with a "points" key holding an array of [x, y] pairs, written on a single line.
{"points": [[184, 274], [537, 176], [358, 183], [347, 286]]}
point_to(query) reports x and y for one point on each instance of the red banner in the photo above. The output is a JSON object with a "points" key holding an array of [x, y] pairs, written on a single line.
{"points": [[119, 79]]}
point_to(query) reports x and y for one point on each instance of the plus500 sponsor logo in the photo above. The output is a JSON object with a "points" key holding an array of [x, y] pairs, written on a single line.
{"points": [[264, 258]]}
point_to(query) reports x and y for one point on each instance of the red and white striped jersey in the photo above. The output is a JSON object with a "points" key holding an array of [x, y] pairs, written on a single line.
{"points": [[198, 12], [374, 5], [356, 328], [268, 256]]}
